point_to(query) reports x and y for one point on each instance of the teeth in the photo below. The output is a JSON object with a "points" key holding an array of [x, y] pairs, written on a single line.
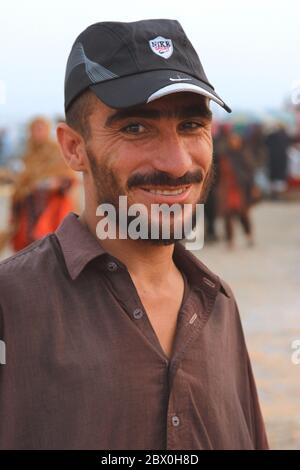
{"points": [[167, 192]]}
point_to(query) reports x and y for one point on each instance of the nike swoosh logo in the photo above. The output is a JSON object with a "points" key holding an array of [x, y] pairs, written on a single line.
{"points": [[179, 79]]}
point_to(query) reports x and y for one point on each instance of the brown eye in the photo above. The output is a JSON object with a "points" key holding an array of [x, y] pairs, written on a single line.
{"points": [[190, 125], [134, 128]]}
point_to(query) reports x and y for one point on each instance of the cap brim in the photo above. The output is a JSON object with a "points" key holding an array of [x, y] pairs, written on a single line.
{"points": [[145, 87]]}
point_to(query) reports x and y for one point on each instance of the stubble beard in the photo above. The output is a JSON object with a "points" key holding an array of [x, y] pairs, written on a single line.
{"points": [[108, 190]]}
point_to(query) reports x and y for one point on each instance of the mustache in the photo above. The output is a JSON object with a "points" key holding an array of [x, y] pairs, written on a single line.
{"points": [[159, 178]]}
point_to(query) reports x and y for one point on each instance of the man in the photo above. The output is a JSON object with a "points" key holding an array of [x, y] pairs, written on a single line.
{"points": [[124, 343]]}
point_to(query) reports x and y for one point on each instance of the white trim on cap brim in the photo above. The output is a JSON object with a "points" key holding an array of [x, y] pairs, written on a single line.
{"points": [[177, 87]]}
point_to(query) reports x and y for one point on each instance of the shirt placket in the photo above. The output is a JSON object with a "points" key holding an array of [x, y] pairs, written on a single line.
{"points": [[124, 290], [191, 321]]}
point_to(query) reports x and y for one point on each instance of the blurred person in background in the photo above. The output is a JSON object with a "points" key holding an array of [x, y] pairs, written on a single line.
{"points": [[236, 186], [256, 145], [42, 194], [277, 143]]}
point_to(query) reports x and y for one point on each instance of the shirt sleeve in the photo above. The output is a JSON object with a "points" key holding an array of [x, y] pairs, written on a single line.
{"points": [[258, 427]]}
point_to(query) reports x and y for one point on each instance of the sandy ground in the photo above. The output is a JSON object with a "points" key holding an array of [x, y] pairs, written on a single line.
{"points": [[266, 282]]}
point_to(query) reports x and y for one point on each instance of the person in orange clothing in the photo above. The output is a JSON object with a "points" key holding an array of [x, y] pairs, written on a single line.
{"points": [[43, 193], [236, 187]]}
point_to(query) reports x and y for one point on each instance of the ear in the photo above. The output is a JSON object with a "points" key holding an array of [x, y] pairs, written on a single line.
{"points": [[72, 147]]}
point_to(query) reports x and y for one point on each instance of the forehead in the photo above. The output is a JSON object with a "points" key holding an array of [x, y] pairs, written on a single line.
{"points": [[175, 106]]}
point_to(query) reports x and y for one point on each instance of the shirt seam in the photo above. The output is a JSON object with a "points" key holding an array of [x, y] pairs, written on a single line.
{"points": [[19, 255]]}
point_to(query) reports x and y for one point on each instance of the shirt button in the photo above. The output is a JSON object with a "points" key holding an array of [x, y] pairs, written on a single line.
{"points": [[175, 421], [112, 266], [138, 313]]}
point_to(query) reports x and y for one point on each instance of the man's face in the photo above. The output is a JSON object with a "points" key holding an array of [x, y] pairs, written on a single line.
{"points": [[153, 154]]}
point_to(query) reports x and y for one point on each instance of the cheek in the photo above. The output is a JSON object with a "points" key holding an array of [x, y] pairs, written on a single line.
{"points": [[130, 158], [201, 149]]}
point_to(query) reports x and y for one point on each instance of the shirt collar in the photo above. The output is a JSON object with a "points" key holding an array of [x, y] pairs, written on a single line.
{"points": [[80, 246], [199, 275]]}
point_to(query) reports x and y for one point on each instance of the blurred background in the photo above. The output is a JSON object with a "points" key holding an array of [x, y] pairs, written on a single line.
{"points": [[250, 53]]}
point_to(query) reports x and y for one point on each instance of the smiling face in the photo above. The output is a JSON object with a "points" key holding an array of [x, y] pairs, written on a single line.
{"points": [[156, 153]]}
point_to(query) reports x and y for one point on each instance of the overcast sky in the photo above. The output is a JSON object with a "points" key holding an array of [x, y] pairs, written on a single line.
{"points": [[250, 50]]}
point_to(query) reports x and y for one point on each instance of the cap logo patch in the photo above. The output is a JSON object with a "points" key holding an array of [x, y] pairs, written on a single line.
{"points": [[161, 46]]}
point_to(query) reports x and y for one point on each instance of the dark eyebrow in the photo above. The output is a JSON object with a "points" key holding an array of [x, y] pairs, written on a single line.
{"points": [[152, 113]]}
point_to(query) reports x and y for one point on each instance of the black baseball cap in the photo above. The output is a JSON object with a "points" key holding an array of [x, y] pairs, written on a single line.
{"points": [[127, 64]]}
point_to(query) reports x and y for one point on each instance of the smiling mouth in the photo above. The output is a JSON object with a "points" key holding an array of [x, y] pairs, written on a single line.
{"points": [[167, 192]]}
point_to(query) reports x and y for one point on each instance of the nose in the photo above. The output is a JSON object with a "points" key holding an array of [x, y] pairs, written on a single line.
{"points": [[172, 156]]}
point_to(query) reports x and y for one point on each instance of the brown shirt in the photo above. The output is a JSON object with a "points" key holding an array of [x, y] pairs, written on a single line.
{"points": [[85, 370]]}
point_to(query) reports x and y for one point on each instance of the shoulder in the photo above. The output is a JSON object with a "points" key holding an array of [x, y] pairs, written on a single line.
{"points": [[26, 286], [28, 263]]}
